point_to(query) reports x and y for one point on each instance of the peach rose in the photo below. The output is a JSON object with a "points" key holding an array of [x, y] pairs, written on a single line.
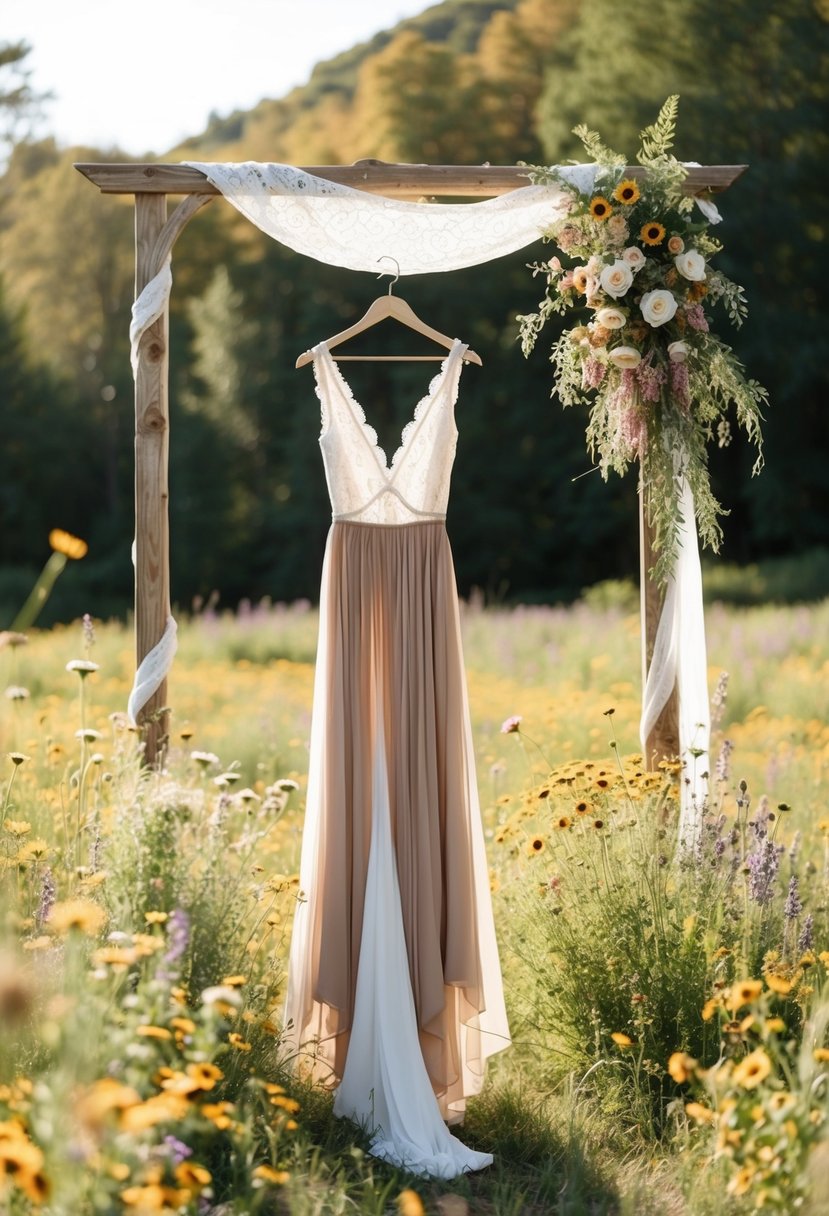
{"points": [[658, 307], [616, 279]]}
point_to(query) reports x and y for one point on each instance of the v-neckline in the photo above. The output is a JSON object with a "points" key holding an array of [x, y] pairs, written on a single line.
{"points": [[421, 409]]}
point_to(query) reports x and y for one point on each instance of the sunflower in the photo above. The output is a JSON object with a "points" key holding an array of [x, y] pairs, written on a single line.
{"points": [[652, 233], [627, 192], [600, 208]]}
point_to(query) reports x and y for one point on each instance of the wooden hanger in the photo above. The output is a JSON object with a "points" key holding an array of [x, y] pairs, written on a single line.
{"points": [[384, 307]]}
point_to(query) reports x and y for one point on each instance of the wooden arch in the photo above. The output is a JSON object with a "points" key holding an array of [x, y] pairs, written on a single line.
{"points": [[155, 235]]}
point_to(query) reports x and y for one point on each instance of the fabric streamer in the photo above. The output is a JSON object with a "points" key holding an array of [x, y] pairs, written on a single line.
{"points": [[680, 658], [153, 670]]}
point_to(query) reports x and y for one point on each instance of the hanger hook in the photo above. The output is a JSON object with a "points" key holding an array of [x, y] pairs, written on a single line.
{"points": [[386, 257]]}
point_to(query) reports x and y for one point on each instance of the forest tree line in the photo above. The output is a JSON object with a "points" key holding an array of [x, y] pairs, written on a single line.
{"points": [[466, 82]]}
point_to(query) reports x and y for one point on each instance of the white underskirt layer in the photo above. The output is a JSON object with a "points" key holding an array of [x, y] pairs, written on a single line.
{"points": [[385, 1086]]}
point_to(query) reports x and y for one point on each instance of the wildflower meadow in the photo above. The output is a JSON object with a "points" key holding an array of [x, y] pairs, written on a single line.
{"points": [[669, 1007]]}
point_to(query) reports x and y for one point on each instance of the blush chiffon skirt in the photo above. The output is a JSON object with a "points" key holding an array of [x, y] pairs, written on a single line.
{"points": [[394, 989]]}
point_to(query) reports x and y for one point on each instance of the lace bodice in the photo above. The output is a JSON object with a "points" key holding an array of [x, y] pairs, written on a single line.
{"points": [[362, 485]]}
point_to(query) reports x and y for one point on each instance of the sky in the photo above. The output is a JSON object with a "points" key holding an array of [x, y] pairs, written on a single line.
{"points": [[141, 75]]}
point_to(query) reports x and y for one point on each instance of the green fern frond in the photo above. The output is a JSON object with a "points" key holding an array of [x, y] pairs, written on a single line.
{"points": [[658, 138], [596, 150]]}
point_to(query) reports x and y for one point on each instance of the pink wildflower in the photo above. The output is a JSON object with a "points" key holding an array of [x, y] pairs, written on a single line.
{"points": [[633, 430], [696, 317], [592, 373], [511, 726], [650, 378], [625, 394], [680, 385]]}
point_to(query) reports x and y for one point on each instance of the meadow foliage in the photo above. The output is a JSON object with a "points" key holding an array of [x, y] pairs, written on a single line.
{"points": [[669, 1009]]}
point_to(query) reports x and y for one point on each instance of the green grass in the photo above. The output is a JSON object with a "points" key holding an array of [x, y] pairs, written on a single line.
{"points": [[589, 923]]}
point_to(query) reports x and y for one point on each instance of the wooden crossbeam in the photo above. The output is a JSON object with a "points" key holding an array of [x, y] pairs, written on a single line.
{"points": [[378, 177]]}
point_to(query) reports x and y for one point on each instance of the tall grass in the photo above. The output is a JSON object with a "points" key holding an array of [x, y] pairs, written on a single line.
{"points": [[146, 917]]}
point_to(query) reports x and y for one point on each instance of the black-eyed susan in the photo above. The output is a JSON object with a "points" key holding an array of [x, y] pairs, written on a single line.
{"points": [[681, 1067], [779, 984], [652, 233], [535, 845], [745, 992], [266, 1173], [627, 192], [79, 915], [600, 208], [205, 1075], [192, 1175], [67, 544], [753, 1070], [583, 807], [238, 1042], [564, 822]]}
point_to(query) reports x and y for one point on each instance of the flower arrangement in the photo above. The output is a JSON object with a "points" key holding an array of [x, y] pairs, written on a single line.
{"points": [[657, 379]]}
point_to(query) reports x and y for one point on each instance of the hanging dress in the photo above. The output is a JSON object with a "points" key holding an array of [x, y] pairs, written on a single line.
{"points": [[394, 985]]}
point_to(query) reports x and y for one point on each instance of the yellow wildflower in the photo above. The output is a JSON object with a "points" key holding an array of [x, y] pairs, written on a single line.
{"points": [[409, 1204], [753, 1070], [779, 984], [745, 992], [82, 914], [268, 1174], [67, 544], [700, 1113], [621, 1040], [681, 1067]]}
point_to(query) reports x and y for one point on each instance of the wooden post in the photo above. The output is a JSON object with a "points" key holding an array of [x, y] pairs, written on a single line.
{"points": [[663, 741], [152, 432]]}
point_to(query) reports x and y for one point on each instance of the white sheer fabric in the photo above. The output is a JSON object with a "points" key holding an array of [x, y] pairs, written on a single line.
{"points": [[679, 658], [351, 228], [385, 1086]]}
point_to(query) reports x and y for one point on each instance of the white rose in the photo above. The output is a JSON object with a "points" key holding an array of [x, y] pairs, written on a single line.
{"points": [[625, 356], [678, 351], [611, 318], [634, 257], [691, 265], [658, 307], [616, 279]]}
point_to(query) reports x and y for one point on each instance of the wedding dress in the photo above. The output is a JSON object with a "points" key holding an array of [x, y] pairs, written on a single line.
{"points": [[394, 988]]}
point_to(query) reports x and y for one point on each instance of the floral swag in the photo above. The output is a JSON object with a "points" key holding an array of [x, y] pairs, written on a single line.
{"points": [[657, 380]]}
